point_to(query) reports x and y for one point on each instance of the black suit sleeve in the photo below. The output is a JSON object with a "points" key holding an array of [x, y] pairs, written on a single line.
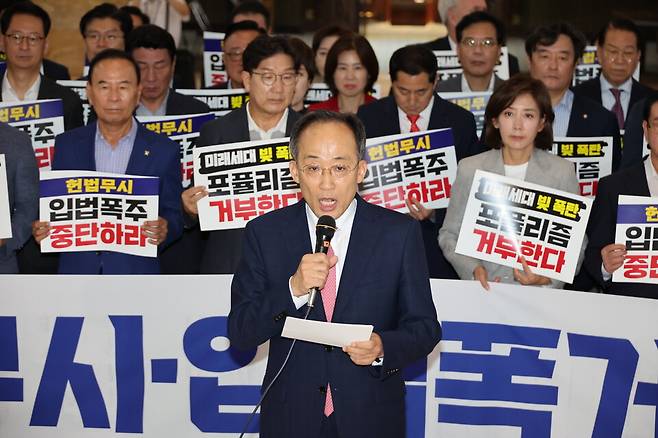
{"points": [[601, 228]]}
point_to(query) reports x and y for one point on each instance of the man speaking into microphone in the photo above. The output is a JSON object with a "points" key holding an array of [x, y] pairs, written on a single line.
{"points": [[374, 273]]}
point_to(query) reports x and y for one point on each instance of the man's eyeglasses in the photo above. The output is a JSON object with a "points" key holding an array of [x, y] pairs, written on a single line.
{"points": [[32, 39], [626, 56], [234, 55], [484, 42], [268, 78], [110, 37], [337, 171]]}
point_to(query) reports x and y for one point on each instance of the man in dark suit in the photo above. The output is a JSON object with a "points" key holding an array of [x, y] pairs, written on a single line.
{"points": [[480, 36], [603, 256], [23, 193], [25, 27], [374, 274], [55, 71], [451, 13], [117, 143], [154, 51], [413, 75], [270, 75], [553, 52], [618, 51]]}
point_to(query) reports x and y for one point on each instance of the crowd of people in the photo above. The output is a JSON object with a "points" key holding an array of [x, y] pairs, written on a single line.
{"points": [[131, 69]]}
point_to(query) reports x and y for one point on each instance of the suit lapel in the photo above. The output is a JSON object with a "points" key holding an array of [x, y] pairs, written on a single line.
{"points": [[293, 116], [359, 251], [637, 183], [575, 118]]}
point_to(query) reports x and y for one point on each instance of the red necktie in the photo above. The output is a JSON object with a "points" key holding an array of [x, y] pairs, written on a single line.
{"points": [[329, 301], [413, 120], [617, 108]]}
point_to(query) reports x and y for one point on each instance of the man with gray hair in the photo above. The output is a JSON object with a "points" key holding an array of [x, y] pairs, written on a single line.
{"points": [[375, 262], [451, 12]]}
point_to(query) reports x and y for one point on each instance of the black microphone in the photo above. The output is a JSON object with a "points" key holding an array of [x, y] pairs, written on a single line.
{"points": [[324, 231]]}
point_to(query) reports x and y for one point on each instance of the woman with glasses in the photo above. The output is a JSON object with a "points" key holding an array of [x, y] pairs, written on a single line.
{"points": [[518, 128], [350, 71]]}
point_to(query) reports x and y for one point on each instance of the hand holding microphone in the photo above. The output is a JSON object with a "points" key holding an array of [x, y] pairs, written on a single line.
{"points": [[313, 269]]}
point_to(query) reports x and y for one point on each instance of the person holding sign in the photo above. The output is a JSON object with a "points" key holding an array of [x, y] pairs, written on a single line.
{"points": [[480, 36], [351, 71], [374, 274], [117, 143], [604, 255], [518, 129], [22, 193]]}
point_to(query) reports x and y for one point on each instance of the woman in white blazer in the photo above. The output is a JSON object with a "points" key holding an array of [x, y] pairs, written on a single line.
{"points": [[518, 128]]}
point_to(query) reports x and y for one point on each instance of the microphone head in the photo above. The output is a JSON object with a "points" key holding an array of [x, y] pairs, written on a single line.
{"points": [[324, 231]]}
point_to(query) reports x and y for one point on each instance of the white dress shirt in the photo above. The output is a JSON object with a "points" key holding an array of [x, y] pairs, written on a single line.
{"points": [[562, 115], [516, 171], [608, 100], [467, 88], [423, 121], [9, 94], [256, 133], [339, 243]]}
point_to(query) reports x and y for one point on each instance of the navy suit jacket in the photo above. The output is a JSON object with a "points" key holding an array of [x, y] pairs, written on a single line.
{"points": [[23, 188], [602, 226], [384, 283], [223, 247], [592, 90], [75, 150], [55, 70], [591, 119], [381, 118]]}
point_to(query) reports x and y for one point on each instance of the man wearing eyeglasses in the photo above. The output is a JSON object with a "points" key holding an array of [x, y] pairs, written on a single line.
{"points": [[269, 76], [104, 27], [236, 39], [480, 36], [374, 273], [618, 51]]}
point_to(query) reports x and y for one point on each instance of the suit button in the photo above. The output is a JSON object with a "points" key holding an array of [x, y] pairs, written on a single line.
{"points": [[280, 316], [328, 348], [322, 389]]}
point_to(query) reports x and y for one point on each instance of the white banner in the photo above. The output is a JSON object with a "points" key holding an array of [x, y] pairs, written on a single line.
{"points": [[506, 218], [588, 67], [449, 65], [420, 165], [96, 211], [92, 356], [184, 130], [475, 102], [592, 157], [214, 69], [220, 101], [637, 228], [5, 214], [42, 120]]}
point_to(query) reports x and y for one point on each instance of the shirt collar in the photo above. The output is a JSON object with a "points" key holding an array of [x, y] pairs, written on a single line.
{"points": [[625, 87], [280, 126], [424, 114], [159, 111], [649, 169], [566, 101], [343, 222], [131, 134], [32, 93], [467, 89]]}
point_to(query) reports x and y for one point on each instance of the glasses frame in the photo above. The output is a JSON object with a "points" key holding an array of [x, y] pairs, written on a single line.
{"points": [[32, 39], [471, 43], [275, 76], [311, 173]]}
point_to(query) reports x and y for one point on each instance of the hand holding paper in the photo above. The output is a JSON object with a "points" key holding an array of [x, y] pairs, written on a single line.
{"points": [[326, 333]]}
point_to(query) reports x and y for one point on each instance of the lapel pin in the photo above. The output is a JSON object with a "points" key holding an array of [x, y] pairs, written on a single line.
{"points": [[585, 116], [146, 153]]}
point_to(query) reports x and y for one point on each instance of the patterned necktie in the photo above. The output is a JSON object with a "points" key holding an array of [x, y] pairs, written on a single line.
{"points": [[617, 108], [329, 301], [413, 120]]}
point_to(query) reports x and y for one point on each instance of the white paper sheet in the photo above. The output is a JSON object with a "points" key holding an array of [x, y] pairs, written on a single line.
{"points": [[326, 333]]}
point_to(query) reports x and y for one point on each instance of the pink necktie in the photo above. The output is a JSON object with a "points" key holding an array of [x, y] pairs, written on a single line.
{"points": [[617, 108], [329, 301], [413, 120]]}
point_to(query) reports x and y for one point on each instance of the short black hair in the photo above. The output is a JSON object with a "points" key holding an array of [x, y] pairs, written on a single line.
{"points": [[326, 31], [108, 54], [304, 55], [364, 51], [323, 116], [548, 35], [150, 36], [26, 8], [264, 47], [251, 7], [620, 24], [650, 101], [243, 25], [481, 17], [107, 10], [134, 10], [413, 60]]}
